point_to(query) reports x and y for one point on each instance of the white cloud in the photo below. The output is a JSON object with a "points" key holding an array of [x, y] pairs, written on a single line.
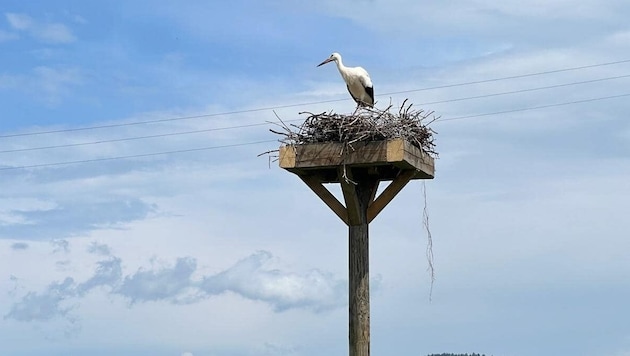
{"points": [[19, 21], [45, 84], [249, 278], [108, 273], [44, 306], [168, 283], [60, 245], [100, 249], [476, 16], [176, 284], [54, 33]]}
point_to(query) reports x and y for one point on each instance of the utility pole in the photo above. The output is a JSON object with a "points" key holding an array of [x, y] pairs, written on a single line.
{"points": [[359, 172]]}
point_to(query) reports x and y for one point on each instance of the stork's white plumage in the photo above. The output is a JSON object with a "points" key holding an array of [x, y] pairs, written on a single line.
{"points": [[357, 81]]}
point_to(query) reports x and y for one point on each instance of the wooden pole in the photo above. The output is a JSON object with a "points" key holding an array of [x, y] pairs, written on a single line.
{"points": [[358, 198], [359, 293]]}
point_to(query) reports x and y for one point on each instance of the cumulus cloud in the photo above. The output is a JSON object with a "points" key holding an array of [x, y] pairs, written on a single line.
{"points": [[46, 32], [108, 273], [60, 246], [164, 284], [45, 305], [19, 21], [56, 33], [249, 278], [99, 249], [51, 302]]}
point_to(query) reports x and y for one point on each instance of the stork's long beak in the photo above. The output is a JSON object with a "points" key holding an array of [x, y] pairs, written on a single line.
{"points": [[326, 61]]}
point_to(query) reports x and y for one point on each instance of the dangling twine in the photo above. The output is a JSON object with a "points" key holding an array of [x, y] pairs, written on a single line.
{"points": [[429, 251]]}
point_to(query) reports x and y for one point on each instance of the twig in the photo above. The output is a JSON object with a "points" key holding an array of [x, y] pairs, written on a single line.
{"points": [[267, 153]]}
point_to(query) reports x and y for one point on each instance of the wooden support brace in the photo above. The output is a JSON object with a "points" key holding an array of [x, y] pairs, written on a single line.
{"points": [[326, 196], [358, 191], [389, 193], [348, 188]]}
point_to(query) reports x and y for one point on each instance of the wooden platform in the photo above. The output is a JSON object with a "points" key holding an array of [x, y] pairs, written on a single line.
{"points": [[383, 159]]}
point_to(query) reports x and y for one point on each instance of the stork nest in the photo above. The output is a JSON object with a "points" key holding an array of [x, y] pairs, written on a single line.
{"points": [[364, 125]]}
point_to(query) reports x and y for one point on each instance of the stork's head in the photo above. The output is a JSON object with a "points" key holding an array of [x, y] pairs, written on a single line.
{"points": [[333, 57]]}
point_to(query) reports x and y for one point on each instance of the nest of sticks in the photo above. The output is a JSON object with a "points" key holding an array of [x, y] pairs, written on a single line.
{"points": [[364, 125]]}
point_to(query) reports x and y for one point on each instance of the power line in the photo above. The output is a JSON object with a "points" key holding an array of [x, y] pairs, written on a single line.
{"points": [[269, 141], [511, 77], [133, 156], [526, 90], [310, 103], [535, 107], [267, 123], [130, 138]]}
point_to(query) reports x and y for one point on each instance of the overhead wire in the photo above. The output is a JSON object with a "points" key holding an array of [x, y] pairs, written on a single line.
{"points": [[133, 138], [100, 159], [41, 165], [234, 112], [169, 134], [303, 104], [535, 107], [512, 77]]}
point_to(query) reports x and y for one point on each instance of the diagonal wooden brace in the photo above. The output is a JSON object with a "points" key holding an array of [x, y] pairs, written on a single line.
{"points": [[326, 196], [389, 193], [350, 213]]}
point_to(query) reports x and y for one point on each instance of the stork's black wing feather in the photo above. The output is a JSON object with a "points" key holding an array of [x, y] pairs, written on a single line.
{"points": [[370, 92]]}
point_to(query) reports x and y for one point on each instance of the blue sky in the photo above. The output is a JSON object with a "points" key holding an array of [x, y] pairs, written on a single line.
{"points": [[213, 252]]}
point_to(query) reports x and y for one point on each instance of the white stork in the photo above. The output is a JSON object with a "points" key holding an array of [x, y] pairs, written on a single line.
{"points": [[357, 81]]}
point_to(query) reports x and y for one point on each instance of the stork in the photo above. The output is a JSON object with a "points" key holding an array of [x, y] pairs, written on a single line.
{"points": [[357, 81]]}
